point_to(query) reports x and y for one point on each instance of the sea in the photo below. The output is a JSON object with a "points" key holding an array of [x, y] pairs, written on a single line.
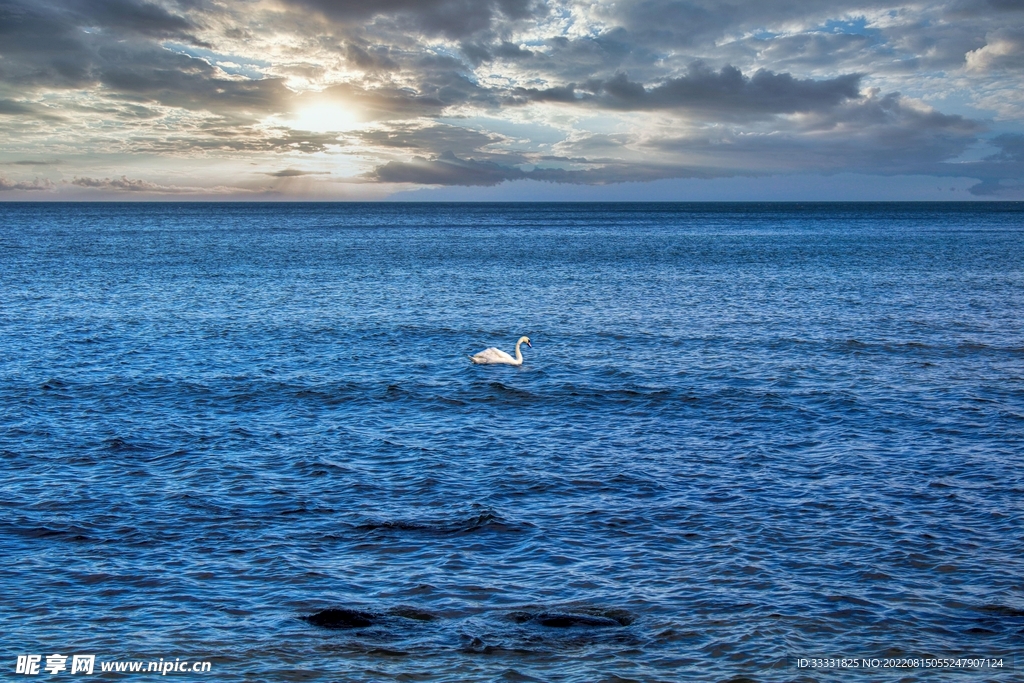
{"points": [[750, 442]]}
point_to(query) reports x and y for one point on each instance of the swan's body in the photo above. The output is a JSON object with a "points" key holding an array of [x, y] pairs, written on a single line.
{"points": [[497, 356]]}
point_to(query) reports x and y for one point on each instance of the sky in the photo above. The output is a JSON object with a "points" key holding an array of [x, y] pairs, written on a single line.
{"points": [[511, 100]]}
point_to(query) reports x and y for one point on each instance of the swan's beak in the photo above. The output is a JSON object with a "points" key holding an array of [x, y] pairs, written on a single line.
{"points": [[529, 344]]}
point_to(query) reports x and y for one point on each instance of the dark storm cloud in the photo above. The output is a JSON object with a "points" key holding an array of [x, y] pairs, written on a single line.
{"points": [[376, 58], [993, 188], [11, 108], [728, 90], [478, 53], [55, 43], [446, 169], [985, 8], [433, 140], [583, 58], [127, 15], [610, 47], [611, 172], [450, 18], [111, 43], [878, 134], [680, 23], [22, 22], [510, 51], [178, 80], [687, 23], [1003, 171], [726, 93], [910, 37], [27, 111], [1012, 148]]}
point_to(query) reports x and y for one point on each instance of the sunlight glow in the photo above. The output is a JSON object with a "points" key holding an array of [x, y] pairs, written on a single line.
{"points": [[324, 117]]}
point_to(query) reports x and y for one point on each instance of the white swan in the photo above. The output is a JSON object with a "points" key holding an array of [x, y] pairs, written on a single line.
{"points": [[493, 355]]}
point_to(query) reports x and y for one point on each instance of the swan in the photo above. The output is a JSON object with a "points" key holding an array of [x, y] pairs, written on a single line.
{"points": [[493, 355]]}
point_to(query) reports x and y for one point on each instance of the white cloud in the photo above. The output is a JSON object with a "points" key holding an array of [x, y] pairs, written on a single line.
{"points": [[1004, 49]]}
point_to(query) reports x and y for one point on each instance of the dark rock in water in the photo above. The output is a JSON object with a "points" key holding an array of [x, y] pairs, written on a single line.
{"points": [[1003, 610], [560, 620], [340, 618], [411, 613]]}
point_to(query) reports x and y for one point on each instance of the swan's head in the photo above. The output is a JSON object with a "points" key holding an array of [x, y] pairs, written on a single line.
{"points": [[525, 339]]}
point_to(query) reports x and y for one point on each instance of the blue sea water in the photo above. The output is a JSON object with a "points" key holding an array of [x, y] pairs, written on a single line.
{"points": [[745, 434]]}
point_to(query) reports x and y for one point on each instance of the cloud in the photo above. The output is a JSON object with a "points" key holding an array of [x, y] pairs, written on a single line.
{"points": [[446, 169], [34, 185], [125, 184], [376, 58], [449, 18], [725, 93], [178, 80], [876, 35], [27, 110], [880, 135], [1001, 173], [294, 173], [390, 102], [218, 137], [61, 42], [431, 140], [984, 8], [12, 108], [809, 51], [129, 16], [591, 56], [995, 188], [117, 46], [1004, 49], [1011, 148], [474, 93], [887, 135]]}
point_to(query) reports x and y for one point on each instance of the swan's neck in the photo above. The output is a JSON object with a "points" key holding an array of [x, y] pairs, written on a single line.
{"points": [[519, 354]]}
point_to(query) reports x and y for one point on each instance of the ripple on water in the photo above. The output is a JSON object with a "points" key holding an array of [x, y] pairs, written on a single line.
{"points": [[746, 433]]}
